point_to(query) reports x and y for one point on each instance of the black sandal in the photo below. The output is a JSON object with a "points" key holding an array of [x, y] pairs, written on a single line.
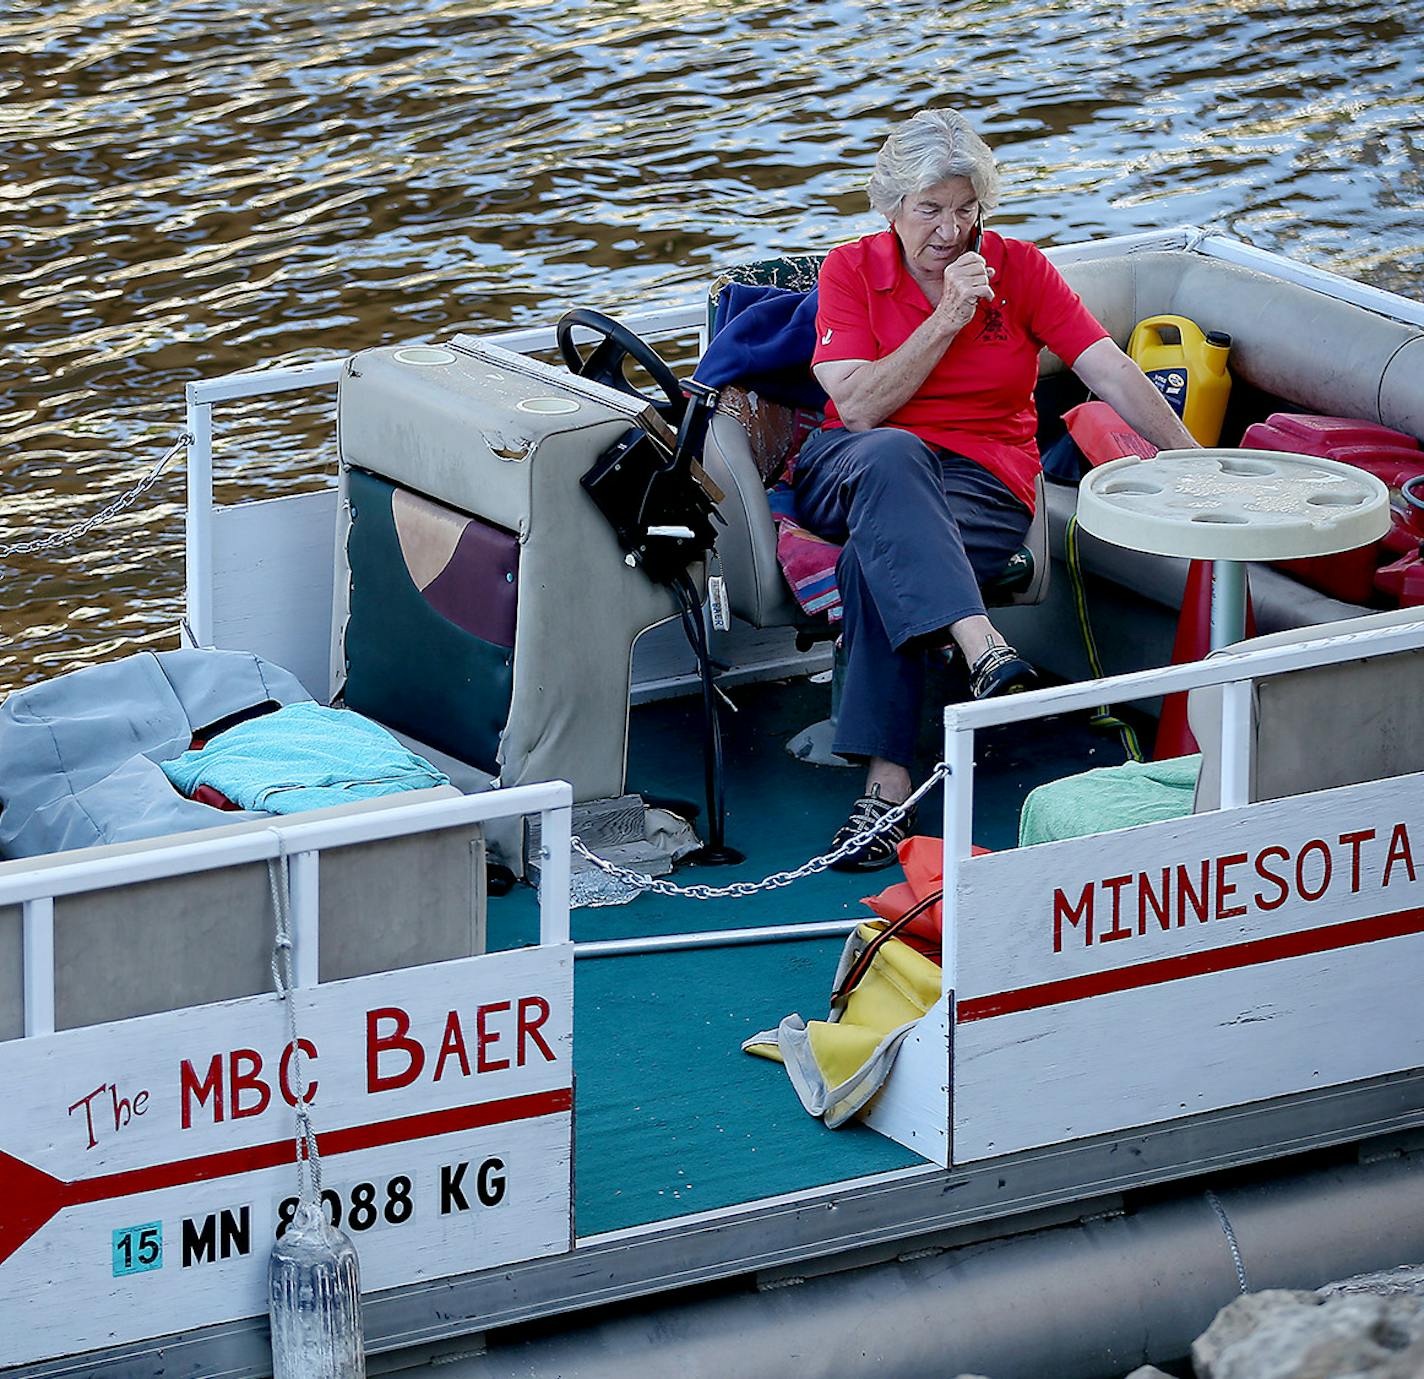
{"points": [[1000, 670], [883, 849]]}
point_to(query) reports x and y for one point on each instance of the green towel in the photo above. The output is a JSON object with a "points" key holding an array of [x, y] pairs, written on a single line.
{"points": [[1137, 792]]}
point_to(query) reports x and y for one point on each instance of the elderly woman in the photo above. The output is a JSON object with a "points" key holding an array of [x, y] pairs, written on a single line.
{"points": [[928, 337]]}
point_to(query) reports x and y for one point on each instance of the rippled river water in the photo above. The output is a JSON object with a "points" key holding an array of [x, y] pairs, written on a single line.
{"points": [[189, 189]]}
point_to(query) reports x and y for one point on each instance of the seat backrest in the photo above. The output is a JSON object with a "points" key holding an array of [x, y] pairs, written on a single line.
{"points": [[747, 445], [198, 937], [1373, 710], [1290, 341]]}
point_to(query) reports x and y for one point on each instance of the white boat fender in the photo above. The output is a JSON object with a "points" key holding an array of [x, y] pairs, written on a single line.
{"points": [[314, 1300]]}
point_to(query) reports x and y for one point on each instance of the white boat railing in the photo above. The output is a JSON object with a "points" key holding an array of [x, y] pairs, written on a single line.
{"points": [[301, 843], [1234, 672], [202, 396]]}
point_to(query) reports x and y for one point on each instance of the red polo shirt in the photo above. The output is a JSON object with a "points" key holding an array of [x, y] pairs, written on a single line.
{"points": [[978, 400]]}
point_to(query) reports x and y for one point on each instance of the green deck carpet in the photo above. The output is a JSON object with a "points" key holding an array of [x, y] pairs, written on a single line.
{"points": [[671, 1117]]}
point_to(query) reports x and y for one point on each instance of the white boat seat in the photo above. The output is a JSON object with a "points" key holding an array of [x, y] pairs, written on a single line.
{"points": [[1326, 355], [747, 446], [745, 454], [1292, 345]]}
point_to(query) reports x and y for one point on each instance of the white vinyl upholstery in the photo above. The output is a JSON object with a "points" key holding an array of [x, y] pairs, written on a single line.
{"points": [[757, 592], [756, 589], [1315, 352], [1328, 356], [1373, 707]]}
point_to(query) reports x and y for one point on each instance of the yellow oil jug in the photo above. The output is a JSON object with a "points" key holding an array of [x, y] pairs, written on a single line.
{"points": [[1188, 367]]}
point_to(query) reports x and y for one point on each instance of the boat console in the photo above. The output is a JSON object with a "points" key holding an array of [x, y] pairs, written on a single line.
{"points": [[485, 604]]}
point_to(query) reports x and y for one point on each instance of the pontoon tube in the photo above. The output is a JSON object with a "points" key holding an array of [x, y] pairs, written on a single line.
{"points": [[1095, 1298]]}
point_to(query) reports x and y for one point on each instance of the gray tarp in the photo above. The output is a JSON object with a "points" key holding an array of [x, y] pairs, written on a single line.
{"points": [[79, 754]]}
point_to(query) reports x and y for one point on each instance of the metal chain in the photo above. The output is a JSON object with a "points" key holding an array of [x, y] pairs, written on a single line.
{"points": [[738, 889], [79, 529]]}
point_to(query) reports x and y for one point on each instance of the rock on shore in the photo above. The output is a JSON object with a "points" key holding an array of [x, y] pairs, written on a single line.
{"points": [[1368, 1327], [1280, 1334]]}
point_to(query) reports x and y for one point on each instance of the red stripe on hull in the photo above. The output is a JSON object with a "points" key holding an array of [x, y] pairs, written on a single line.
{"points": [[422, 1126], [30, 1197], [1323, 940]]}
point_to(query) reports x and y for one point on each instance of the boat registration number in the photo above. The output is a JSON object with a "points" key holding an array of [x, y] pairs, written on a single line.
{"points": [[150, 1164]]}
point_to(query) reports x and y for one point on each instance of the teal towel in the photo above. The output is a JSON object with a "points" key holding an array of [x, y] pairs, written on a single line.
{"points": [[303, 757], [1137, 792]]}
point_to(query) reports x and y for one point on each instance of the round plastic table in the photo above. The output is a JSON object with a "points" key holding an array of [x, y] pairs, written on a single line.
{"points": [[1231, 507]]}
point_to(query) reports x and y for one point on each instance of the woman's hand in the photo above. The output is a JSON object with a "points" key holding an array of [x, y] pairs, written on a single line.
{"points": [[866, 392], [1110, 374], [966, 284]]}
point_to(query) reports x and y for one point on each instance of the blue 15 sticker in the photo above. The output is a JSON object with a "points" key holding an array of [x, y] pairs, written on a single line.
{"points": [[138, 1248]]}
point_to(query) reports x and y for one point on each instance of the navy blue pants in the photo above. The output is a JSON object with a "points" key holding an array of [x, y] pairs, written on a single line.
{"points": [[922, 528]]}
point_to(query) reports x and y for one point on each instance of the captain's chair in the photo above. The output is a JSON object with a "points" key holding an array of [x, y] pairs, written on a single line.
{"points": [[748, 445], [745, 453]]}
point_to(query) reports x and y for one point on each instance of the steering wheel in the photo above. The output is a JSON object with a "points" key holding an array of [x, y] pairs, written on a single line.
{"points": [[605, 363]]}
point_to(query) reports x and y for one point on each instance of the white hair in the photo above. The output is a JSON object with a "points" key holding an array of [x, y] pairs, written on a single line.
{"points": [[932, 146]]}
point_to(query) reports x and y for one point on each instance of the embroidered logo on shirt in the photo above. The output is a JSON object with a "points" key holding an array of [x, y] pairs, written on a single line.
{"points": [[826, 338], [992, 328]]}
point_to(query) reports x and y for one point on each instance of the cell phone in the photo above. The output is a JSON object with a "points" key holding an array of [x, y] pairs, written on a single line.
{"points": [[978, 237]]}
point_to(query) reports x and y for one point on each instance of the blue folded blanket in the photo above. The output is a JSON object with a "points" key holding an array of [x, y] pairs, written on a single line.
{"points": [[763, 339], [303, 757]]}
